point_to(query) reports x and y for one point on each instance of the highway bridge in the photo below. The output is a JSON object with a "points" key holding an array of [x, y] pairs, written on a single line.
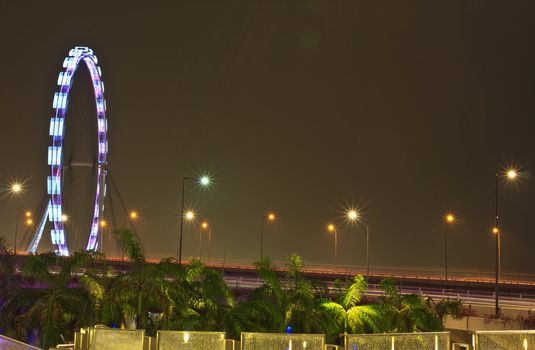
{"points": [[475, 288]]}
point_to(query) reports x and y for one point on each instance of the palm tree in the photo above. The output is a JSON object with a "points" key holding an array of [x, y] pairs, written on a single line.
{"points": [[449, 306], [304, 311], [264, 309], [210, 306], [8, 279], [407, 313], [127, 298], [352, 317], [182, 296], [50, 301], [278, 304]]}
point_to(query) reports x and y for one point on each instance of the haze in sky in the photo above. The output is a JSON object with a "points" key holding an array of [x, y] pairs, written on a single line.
{"points": [[303, 108]]}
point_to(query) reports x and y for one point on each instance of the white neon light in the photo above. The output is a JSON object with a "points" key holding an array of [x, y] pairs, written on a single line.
{"points": [[64, 78], [58, 237], [54, 155], [60, 100], [102, 125], [56, 127], [53, 185], [67, 62], [54, 213], [103, 147]]}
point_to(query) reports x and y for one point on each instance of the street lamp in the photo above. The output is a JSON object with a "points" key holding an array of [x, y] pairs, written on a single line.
{"points": [[28, 222], [510, 175], [354, 216], [331, 228], [16, 189], [133, 215], [270, 217], [205, 226], [449, 219], [203, 181]]}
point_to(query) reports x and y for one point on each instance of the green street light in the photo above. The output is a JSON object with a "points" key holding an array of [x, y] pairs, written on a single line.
{"points": [[205, 181]]}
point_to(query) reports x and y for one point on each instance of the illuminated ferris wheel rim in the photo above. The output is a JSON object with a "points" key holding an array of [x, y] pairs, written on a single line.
{"points": [[55, 151]]}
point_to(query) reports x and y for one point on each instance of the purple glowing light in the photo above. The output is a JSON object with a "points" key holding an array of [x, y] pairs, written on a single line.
{"points": [[55, 153]]}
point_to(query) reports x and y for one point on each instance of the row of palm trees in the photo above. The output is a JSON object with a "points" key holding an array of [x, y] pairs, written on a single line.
{"points": [[52, 297]]}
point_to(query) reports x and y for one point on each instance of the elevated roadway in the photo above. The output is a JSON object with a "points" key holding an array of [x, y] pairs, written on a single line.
{"points": [[476, 288]]}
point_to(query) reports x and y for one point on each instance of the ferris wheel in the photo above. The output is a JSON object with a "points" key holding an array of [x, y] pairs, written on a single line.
{"points": [[55, 212]]}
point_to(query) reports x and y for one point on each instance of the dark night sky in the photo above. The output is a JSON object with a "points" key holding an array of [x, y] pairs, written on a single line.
{"points": [[405, 108]]}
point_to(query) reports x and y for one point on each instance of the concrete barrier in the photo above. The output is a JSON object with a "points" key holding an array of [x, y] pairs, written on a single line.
{"points": [[504, 340], [116, 339], [398, 341], [183, 340], [276, 341]]}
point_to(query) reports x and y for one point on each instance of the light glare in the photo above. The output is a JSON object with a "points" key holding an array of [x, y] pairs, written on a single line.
{"points": [[189, 215], [352, 215], [512, 174], [205, 181], [16, 187]]}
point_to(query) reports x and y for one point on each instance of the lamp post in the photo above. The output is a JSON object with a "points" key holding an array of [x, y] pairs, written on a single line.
{"points": [[510, 175], [103, 224], [203, 181], [16, 189], [353, 216], [28, 221], [270, 217], [130, 219], [332, 229], [204, 226], [449, 219]]}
